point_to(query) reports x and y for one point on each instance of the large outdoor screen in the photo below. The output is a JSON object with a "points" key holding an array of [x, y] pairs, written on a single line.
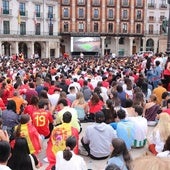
{"points": [[85, 44]]}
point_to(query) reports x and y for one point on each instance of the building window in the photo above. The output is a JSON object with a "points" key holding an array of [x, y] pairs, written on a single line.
{"points": [[125, 14], [162, 17], [125, 2], [139, 3], [37, 10], [50, 11], [5, 7], [110, 2], [121, 41], [66, 2], [124, 28], [138, 28], [96, 27], [163, 4], [22, 9], [51, 28], [150, 29], [151, 3], [110, 27], [110, 13], [81, 2], [96, 2], [151, 18], [96, 13], [23, 28], [6, 27], [66, 27], [81, 27], [37, 29], [65, 13], [52, 52], [81, 13], [139, 14]]}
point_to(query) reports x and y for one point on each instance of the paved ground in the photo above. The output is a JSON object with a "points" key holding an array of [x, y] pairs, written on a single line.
{"points": [[96, 164]]}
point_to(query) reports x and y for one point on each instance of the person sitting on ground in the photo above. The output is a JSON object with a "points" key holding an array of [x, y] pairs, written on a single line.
{"points": [[100, 132], [140, 127], [112, 167], [5, 152], [58, 138], [166, 151], [67, 159], [124, 128], [120, 155], [156, 140], [62, 103], [21, 157]]}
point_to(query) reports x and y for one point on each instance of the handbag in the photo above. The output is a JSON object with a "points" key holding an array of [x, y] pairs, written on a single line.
{"points": [[33, 162]]}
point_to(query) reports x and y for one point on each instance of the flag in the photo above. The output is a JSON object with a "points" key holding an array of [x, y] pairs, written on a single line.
{"points": [[57, 141], [32, 136], [19, 18], [35, 18]]}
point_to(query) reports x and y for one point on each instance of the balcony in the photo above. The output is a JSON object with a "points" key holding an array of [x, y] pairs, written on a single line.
{"points": [[81, 3], [151, 5], [65, 2], [111, 4], [14, 33], [6, 12], [152, 32], [50, 16], [124, 18], [139, 5], [163, 6], [110, 18], [96, 3], [125, 4], [23, 13]]}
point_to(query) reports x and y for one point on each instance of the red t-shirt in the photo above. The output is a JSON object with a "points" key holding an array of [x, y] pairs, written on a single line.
{"points": [[41, 120], [95, 108]]}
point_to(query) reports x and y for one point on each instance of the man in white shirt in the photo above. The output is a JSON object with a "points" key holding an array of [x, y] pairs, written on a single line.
{"points": [[5, 151], [140, 127]]}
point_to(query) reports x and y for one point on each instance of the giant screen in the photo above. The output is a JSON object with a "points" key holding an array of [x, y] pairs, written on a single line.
{"points": [[85, 44]]}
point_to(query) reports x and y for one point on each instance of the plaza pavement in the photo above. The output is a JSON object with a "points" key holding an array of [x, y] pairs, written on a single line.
{"points": [[95, 164]]}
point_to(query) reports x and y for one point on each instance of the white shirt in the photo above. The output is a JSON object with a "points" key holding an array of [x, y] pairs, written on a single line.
{"points": [[140, 126], [4, 167], [75, 163]]}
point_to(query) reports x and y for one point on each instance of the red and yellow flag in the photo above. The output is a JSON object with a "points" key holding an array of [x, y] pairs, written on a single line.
{"points": [[57, 141]]}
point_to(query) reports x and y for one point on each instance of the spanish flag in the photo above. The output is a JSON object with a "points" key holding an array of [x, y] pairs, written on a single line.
{"points": [[19, 18], [57, 141], [32, 136]]}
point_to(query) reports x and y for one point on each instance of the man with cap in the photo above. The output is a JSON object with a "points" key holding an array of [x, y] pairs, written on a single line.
{"points": [[98, 137]]}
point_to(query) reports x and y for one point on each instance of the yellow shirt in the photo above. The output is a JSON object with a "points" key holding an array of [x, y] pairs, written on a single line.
{"points": [[158, 92]]}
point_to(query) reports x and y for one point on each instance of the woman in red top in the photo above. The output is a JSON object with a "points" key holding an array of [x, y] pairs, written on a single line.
{"points": [[95, 105], [4, 93]]}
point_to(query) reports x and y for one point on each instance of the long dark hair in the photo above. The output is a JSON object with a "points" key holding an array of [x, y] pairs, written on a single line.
{"points": [[20, 155], [121, 149], [70, 145]]}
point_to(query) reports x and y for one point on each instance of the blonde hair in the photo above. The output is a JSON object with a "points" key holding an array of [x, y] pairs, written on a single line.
{"points": [[163, 126], [151, 163], [80, 98]]}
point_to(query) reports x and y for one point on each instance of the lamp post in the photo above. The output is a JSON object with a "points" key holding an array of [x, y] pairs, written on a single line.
{"points": [[168, 40]]}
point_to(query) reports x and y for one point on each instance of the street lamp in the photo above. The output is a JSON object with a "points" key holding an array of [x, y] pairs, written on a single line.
{"points": [[168, 40]]}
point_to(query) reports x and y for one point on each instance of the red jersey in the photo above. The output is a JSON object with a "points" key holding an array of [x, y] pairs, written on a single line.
{"points": [[41, 120]]}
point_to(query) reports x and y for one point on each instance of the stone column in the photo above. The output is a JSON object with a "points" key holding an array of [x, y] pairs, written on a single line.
{"points": [[57, 50], [0, 48], [155, 45], [130, 45], [47, 50], [144, 44], [117, 45], [16, 48], [103, 46]]}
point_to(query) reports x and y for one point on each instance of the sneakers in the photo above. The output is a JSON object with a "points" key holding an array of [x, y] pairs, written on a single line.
{"points": [[82, 151]]}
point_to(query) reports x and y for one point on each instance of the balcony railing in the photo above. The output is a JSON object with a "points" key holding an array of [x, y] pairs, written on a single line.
{"points": [[163, 6], [151, 19], [24, 13], [52, 16], [152, 32], [27, 33], [151, 5], [6, 12]]}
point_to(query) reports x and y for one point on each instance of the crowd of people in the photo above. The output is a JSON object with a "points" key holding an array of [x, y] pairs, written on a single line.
{"points": [[47, 100]]}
